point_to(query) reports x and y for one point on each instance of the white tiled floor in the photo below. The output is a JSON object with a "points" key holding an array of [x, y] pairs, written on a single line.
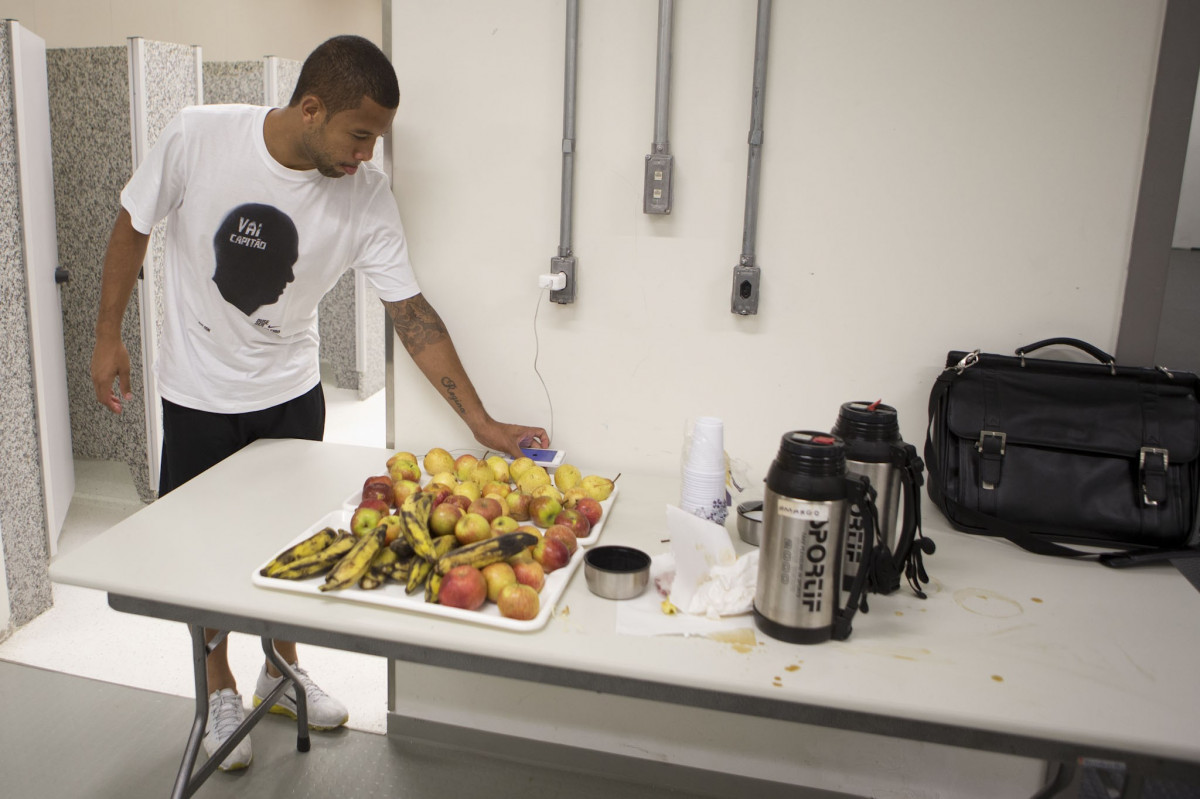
{"points": [[81, 635]]}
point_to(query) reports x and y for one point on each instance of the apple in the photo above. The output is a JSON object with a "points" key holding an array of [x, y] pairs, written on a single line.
{"points": [[519, 602], [504, 524], [500, 469], [392, 523], [567, 477], [463, 587], [597, 487], [533, 478], [402, 489], [498, 575], [404, 469], [591, 509], [496, 489], [471, 528], [438, 460], [445, 478], [542, 510], [551, 553], [576, 521], [518, 505], [564, 534], [444, 518], [384, 480], [489, 508], [464, 465], [459, 500], [367, 515], [439, 493], [530, 573], [519, 466], [469, 490], [533, 531]]}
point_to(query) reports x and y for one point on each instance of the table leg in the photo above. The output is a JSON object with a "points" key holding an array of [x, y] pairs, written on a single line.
{"points": [[302, 740], [187, 782]]}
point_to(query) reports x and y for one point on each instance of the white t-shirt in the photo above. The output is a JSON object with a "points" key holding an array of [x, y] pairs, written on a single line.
{"points": [[252, 247]]}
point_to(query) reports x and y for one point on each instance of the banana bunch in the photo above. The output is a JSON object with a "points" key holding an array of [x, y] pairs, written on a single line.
{"points": [[414, 523], [314, 555], [350, 569]]}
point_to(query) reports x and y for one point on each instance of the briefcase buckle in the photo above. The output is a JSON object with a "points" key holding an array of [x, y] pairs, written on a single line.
{"points": [[991, 447], [1157, 469]]}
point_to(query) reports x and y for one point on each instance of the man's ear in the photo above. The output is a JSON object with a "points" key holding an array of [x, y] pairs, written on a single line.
{"points": [[312, 109]]}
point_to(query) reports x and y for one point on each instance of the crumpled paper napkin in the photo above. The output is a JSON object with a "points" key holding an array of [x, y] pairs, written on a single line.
{"points": [[710, 579]]}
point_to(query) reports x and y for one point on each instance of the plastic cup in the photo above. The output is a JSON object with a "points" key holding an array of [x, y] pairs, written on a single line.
{"points": [[706, 444]]}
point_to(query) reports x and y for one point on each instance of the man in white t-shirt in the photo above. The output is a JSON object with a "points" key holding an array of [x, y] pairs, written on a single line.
{"points": [[265, 209]]}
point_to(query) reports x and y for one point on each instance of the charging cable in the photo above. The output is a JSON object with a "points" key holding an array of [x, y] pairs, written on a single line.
{"points": [[553, 282]]}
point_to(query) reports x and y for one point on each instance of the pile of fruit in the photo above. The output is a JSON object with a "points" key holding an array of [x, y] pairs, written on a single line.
{"points": [[478, 530]]}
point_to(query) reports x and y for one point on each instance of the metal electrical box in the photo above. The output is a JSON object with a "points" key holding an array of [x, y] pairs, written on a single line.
{"points": [[658, 184]]}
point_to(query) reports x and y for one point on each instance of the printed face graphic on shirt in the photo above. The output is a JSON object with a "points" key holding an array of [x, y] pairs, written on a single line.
{"points": [[255, 248]]}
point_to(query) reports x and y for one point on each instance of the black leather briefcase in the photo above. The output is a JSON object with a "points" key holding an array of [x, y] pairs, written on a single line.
{"points": [[1051, 452]]}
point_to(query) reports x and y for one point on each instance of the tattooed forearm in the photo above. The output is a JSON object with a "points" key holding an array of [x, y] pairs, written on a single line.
{"points": [[417, 323], [450, 385]]}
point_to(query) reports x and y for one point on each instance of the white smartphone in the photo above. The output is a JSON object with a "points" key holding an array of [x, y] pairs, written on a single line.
{"points": [[548, 458]]}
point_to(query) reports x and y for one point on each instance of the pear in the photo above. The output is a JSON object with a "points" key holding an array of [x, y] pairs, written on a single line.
{"points": [[597, 487], [445, 478], [573, 495], [567, 477], [534, 477], [482, 474], [519, 466], [500, 468], [438, 460]]}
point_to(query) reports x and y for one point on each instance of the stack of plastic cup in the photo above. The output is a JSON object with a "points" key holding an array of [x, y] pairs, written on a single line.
{"points": [[702, 491]]}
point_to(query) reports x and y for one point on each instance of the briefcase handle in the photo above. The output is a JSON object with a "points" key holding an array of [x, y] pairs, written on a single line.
{"points": [[1097, 353]]}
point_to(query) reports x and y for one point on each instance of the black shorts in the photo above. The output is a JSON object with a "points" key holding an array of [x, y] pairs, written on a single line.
{"points": [[195, 440]]}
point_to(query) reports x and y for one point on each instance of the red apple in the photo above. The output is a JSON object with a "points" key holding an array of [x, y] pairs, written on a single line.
{"points": [[530, 573], [439, 492], [551, 553], [392, 523], [378, 487], [444, 517], [463, 587], [498, 575], [574, 519], [591, 509], [518, 505], [543, 509], [402, 490], [459, 500], [471, 528], [489, 508], [563, 533], [518, 601]]}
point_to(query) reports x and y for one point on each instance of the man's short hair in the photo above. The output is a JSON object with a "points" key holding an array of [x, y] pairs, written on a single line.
{"points": [[343, 70]]}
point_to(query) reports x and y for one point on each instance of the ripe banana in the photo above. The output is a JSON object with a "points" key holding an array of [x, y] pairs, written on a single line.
{"points": [[490, 550], [319, 563], [306, 548], [414, 523], [356, 562], [418, 574], [432, 586]]}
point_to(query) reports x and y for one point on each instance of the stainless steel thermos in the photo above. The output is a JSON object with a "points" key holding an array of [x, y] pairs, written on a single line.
{"points": [[875, 450], [805, 504]]}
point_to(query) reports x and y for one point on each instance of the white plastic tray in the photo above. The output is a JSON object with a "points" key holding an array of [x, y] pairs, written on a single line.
{"points": [[393, 595], [586, 541]]}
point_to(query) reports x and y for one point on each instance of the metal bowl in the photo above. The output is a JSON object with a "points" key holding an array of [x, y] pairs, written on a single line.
{"points": [[749, 521], [615, 572]]}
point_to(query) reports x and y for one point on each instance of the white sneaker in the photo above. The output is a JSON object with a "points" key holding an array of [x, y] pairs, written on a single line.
{"points": [[324, 712], [225, 713]]}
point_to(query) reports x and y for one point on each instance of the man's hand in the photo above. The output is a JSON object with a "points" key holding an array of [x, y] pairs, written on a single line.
{"points": [[110, 361], [509, 438]]}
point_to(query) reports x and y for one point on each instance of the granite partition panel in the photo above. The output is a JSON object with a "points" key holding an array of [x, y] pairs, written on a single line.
{"points": [[91, 139], [22, 509], [287, 72], [233, 82]]}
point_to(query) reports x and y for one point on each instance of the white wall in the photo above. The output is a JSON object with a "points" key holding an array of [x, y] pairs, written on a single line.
{"points": [[936, 175], [227, 30]]}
